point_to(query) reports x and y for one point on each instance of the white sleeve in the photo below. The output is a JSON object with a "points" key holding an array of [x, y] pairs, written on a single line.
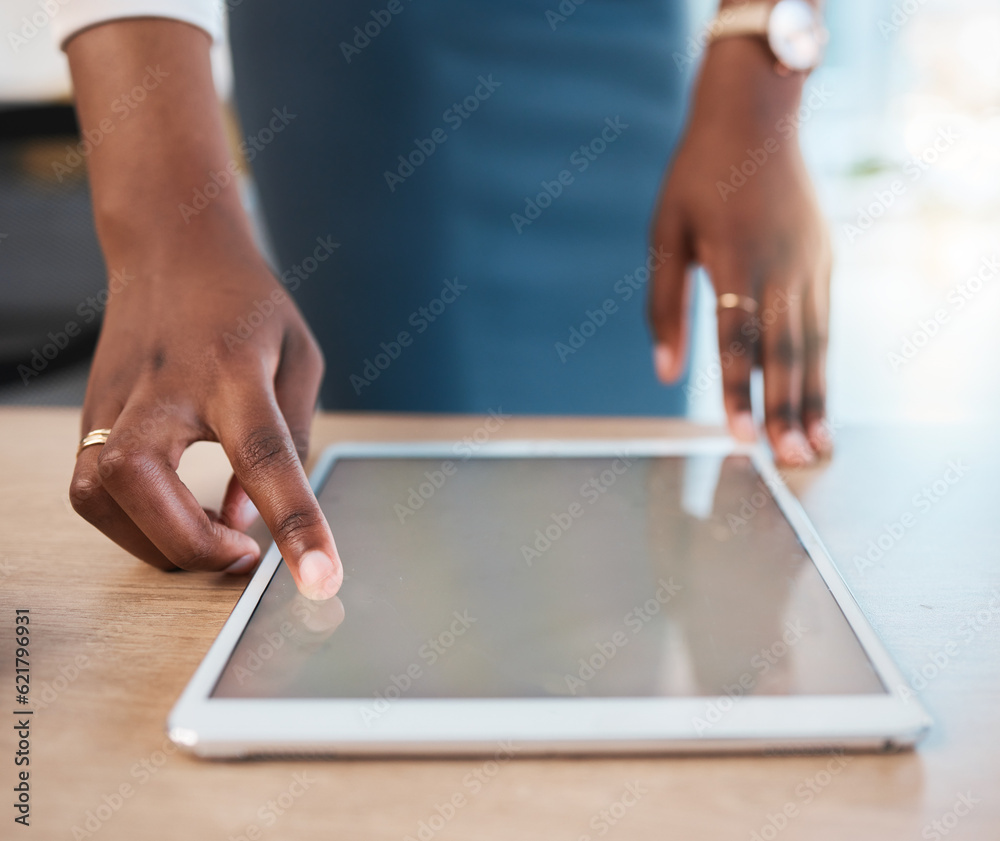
{"points": [[76, 15]]}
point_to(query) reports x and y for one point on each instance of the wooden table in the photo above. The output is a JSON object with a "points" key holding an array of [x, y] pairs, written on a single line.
{"points": [[113, 643]]}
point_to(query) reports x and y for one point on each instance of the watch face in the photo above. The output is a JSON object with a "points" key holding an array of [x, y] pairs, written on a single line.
{"points": [[796, 34]]}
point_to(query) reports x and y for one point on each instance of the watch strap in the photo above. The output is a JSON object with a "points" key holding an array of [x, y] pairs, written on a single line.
{"points": [[746, 19]]}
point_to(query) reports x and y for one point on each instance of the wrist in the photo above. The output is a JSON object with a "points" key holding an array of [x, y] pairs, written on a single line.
{"points": [[738, 83], [162, 246]]}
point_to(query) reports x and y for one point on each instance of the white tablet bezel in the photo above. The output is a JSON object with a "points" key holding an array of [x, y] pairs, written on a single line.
{"points": [[234, 727]]}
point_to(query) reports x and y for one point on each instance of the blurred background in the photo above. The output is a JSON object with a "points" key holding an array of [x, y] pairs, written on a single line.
{"points": [[900, 126]]}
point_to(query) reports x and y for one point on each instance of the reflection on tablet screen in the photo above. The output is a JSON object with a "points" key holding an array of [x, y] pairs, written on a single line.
{"points": [[534, 577]]}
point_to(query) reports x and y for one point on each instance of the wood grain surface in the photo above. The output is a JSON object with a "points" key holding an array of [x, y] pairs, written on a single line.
{"points": [[113, 642]]}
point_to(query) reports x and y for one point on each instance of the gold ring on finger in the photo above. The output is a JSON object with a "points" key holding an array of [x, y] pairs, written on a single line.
{"points": [[95, 436], [732, 301]]}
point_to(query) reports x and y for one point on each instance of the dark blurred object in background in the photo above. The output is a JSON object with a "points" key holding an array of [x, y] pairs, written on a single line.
{"points": [[52, 275]]}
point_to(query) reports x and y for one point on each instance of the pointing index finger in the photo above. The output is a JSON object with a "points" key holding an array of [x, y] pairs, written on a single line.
{"points": [[265, 460]]}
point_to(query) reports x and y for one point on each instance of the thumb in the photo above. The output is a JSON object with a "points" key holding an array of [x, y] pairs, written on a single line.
{"points": [[669, 296]]}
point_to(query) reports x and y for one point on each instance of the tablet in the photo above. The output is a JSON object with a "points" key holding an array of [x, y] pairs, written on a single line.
{"points": [[552, 597]]}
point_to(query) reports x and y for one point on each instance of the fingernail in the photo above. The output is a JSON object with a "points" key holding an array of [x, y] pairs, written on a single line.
{"points": [[319, 574], [793, 449], [663, 361], [742, 428], [820, 437], [244, 564]]}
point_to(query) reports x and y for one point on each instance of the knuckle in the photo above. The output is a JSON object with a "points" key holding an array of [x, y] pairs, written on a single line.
{"points": [[121, 462], [816, 342], [292, 525], [735, 332], [88, 497], [737, 394], [786, 351], [814, 403], [782, 415], [265, 449], [200, 553]]}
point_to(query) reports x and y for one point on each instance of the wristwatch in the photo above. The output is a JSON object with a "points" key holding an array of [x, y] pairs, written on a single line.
{"points": [[793, 30]]}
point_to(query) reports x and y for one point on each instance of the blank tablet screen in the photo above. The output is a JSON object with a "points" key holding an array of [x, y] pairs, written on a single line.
{"points": [[553, 577]]}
